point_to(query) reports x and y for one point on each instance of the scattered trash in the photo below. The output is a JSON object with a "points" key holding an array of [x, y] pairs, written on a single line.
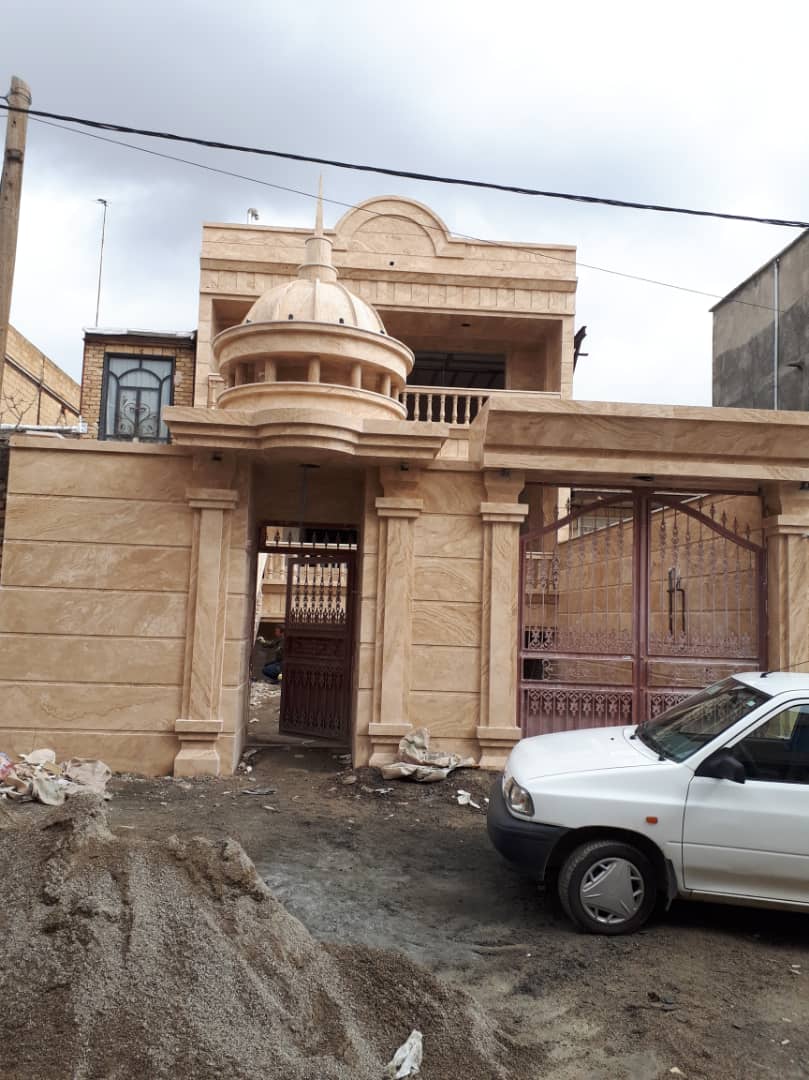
{"points": [[40, 757], [382, 790], [464, 798], [245, 765], [418, 762], [259, 791], [350, 779], [87, 775], [407, 1059], [676, 1072], [46, 790], [37, 778], [273, 808]]}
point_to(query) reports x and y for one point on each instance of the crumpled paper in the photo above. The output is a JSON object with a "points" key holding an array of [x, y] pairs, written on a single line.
{"points": [[407, 1059], [37, 777], [418, 762]]}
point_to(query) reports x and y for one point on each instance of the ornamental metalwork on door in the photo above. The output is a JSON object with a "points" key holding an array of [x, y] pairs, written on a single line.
{"points": [[632, 600], [318, 631]]}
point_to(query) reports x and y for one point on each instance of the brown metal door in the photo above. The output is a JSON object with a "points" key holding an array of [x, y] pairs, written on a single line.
{"points": [[578, 655], [633, 601], [704, 609], [316, 682]]}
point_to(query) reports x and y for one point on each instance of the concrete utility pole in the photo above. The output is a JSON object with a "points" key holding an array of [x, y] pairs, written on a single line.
{"points": [[19, 97]]}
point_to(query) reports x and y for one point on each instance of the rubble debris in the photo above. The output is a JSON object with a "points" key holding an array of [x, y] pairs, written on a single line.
{"points": [[37, 778], [407, 1059], [416, 761], [76, 898]]}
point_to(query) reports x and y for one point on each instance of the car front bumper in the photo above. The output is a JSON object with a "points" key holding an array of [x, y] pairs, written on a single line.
{"points": [[527, 844]]}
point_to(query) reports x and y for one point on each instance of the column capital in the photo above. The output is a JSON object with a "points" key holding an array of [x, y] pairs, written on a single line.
{"points": [[503, 485], [398, 506], [785, 525], [212, 498], [514, 513]]}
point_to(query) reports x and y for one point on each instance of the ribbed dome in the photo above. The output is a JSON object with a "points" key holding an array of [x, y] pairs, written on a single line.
{"points": [[314, 300]]}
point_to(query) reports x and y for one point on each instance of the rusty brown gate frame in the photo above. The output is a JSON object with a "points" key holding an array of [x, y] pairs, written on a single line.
{"points": [[580, 676], [319, 632]]}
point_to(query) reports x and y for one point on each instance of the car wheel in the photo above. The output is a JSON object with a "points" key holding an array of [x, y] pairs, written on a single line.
{"points": [[608, 887]]}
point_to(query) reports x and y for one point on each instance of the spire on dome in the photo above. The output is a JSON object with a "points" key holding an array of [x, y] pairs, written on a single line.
{"points": [[317, 264], [319, 212]]}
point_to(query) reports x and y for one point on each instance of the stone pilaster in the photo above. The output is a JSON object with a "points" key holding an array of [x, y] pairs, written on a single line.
{"points": [[200, 725], [397, 509], [499, 633], [786, 528]]}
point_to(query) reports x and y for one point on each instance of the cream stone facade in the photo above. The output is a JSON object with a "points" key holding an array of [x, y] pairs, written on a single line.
{"points": [[408, 527]]}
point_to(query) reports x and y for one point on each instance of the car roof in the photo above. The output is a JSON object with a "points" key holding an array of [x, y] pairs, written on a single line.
{"points": [[776, 682]]}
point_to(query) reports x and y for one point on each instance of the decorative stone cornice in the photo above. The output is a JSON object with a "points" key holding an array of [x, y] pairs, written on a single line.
{"points": [[515, 513], [212, 498], [397, 507]]}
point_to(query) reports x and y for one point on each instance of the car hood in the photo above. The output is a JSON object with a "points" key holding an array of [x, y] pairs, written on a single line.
{"points": [[588, 750]]}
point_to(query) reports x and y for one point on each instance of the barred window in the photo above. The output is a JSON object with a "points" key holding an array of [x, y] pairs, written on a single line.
{"points": [[136, 389]]}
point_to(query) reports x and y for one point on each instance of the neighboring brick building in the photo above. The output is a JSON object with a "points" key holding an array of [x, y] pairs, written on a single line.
{"points": [[34, 390], [145, 371]]}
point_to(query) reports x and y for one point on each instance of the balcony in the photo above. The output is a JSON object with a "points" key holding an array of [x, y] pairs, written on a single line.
{"points": [[452, 405]]}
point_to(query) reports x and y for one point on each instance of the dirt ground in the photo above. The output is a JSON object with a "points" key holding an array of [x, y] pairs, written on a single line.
{"points": [[706, 991]]}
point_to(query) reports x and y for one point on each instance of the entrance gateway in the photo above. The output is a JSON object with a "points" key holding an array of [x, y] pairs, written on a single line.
{"points": [[318, 628], [632, 600]]}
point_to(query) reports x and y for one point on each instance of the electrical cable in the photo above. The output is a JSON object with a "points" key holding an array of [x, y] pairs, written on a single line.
{"points": [[372, 213], [406, 174]]}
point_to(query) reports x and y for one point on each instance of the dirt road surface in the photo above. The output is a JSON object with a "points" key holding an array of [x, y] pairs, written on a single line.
{"points": [[706, 991]]}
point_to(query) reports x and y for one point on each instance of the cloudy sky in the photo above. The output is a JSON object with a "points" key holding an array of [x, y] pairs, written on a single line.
{"points": [[691, 104]]}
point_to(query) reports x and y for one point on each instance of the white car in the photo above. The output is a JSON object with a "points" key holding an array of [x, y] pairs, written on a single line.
{"points": [[709, 801]]}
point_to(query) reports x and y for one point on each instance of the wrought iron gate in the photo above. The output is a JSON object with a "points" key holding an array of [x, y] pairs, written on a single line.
{"points": [[318, 628], [630, 601]]}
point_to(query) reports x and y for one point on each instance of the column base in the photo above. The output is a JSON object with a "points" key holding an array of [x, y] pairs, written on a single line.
{"points": [[385, 740], [198, 754], [495, 745]]}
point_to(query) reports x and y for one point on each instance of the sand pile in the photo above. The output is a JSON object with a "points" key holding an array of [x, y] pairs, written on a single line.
{"points": [[129, 958]]}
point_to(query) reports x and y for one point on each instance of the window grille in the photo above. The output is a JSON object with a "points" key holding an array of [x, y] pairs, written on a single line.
{"points": [[136, 389]]}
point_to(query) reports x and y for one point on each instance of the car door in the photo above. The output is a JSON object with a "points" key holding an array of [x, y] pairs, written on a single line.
{"points": [[752, 839]]}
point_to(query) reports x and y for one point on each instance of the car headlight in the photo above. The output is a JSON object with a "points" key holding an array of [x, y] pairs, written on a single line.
{"points": [[517, 798]]}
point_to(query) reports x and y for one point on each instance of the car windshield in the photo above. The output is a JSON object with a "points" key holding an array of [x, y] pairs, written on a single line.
{"points": [[682, 730]]}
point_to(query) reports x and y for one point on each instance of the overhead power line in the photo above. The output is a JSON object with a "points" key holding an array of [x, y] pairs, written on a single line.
{"points": [[373, 213], [215, 144]]}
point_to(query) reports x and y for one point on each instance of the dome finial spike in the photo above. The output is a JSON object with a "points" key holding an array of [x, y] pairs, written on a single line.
{"points": [[319, 214]]}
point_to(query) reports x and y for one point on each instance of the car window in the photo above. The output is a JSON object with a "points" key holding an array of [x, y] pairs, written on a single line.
{"points": [[688, 726], [778, 749]]}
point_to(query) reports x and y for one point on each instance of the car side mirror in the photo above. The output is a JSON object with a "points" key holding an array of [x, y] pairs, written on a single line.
{"points": [[723, 765]]}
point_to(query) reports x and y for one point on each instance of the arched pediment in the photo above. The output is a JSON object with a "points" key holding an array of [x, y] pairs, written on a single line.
{"points": [[393, 225]]}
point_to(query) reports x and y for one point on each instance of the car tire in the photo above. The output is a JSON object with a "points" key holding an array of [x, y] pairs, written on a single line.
{"points": [[608, 887]]}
